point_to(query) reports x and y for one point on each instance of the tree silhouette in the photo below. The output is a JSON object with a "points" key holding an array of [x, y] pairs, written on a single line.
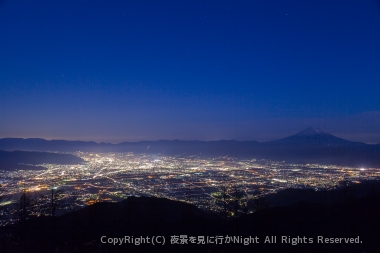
{"points": [[24, 205], [259, 201], [58, 200], [2, 198], [238, 195], [345, 185], [24, 211], [224, 197], [1, 193]]}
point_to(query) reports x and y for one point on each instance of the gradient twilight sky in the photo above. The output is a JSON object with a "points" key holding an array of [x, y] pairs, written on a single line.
{"points": [[146, 70]]}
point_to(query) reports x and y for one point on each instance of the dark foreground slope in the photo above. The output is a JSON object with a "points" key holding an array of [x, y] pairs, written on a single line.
{"points": [[82, 231], [24, 159], [355, 190]]}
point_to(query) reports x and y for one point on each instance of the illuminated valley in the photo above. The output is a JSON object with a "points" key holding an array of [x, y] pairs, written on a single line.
{"points": [[206, 183]]}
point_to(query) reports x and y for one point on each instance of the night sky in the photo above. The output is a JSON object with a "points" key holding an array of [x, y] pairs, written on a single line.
{"points": [[118, 70]]}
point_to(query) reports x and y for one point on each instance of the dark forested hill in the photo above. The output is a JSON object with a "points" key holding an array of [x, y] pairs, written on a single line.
{"points": [[24, 159]]}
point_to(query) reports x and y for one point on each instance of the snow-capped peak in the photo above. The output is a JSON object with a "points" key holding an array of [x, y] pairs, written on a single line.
{"points": [[310, 131]]}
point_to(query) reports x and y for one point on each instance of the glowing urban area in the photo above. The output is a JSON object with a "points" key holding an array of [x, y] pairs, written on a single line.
{"points": [[206, 183]]}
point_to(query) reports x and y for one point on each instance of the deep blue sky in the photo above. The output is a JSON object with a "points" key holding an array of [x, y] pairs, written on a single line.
{"points": [[146, 70]]}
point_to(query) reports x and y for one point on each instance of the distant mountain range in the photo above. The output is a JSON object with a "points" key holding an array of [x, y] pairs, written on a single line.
{"points": [[311, 145]]}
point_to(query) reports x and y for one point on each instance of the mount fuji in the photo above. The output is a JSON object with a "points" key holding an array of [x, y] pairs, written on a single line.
{"points": [[313, 136]]}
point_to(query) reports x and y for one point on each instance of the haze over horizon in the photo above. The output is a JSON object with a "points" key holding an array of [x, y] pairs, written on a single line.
{"points": [[143, 70], [311, 130]]}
